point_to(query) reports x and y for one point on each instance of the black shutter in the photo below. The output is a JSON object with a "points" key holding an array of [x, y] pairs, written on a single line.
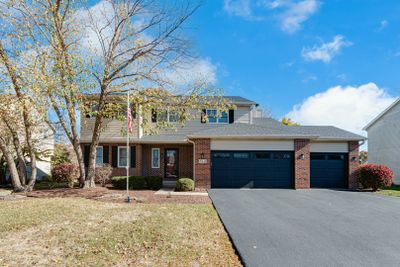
{"points": [[106, 154], [231, 116], [86, 151], [153, 115], [133, 157], [114, 156], [203, 119]]}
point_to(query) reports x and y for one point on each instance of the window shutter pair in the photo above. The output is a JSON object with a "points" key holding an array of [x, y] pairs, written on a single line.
{"points": [[132, 162], [86, 155]]}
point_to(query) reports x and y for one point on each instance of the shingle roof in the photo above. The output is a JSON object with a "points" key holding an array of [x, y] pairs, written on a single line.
{"points": [[267, 127]]}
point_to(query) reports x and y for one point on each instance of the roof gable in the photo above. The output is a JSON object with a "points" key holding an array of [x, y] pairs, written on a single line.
{"points": [[383, 113]]}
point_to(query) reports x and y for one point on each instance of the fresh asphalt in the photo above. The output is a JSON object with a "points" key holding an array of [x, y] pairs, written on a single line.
{"points": [[314, 227]]}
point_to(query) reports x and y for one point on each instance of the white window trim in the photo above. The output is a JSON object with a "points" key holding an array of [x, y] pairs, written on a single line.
{"points": [[127, 156], [152, 161], [217, 118], [168, 120], [102, 154]]}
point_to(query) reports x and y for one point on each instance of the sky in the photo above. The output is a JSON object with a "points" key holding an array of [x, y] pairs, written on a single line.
{"points": [[320, 62]]}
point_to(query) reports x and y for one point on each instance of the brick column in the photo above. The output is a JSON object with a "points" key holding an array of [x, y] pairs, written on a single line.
{"points": [[301, 164], [353, 164], [202, 169]]}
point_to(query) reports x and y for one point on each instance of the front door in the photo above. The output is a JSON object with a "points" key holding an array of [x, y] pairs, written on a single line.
{"points": [[171, 163]]}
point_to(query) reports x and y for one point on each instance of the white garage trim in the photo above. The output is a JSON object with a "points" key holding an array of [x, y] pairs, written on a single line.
{"points": [[332, 147], [287, 145]]}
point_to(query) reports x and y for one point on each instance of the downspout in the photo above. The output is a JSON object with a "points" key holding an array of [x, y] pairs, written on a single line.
{"points": [[194, 160]]}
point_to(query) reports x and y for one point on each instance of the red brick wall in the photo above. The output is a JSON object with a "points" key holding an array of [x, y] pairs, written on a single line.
{"points": [[301, 166], [203, 170], [353, 164], [185, 161]]}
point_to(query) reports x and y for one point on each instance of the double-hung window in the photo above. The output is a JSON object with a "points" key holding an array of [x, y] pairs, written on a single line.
{"points": [[215, 116], [122, 156], [155, 158], [99, 156]]}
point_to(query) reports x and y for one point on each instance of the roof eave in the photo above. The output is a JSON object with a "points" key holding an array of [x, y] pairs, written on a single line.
{"points": [[366, 127], [289, 137]]}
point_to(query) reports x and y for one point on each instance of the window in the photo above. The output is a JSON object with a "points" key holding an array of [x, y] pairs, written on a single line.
{"points": [[222, 155], [122, 156], [214, 116], [281, 155], [99, 156], [317, 156], [155, 158], [335, 157], [262, 155], [166, 116], [241, 155]]}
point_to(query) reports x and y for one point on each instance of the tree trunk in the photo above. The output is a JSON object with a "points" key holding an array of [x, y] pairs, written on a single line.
{"points": [[18, 150], [89, 181], [11, 166], [81, 164]]}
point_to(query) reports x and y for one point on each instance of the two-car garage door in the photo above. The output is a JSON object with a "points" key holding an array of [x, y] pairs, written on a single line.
{"points": [[274, 169], [254, 169]]}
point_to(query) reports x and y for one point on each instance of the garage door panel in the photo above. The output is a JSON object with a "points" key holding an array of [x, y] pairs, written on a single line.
{"points": [[259, 169], [328, 170]]}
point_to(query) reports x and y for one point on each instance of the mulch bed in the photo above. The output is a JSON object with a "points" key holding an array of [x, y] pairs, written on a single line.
{"points": [[114, 195]]}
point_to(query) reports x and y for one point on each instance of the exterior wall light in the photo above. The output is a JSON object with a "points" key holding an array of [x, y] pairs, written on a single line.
{"points": [[202, 155], [354, 159], [301, 157]]}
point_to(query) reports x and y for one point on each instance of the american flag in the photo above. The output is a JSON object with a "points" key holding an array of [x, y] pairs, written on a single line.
{"points": [[130, 121]]}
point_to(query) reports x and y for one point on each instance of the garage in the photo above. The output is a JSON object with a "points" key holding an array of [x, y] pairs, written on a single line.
{"points": [[251, 169], [328, 170]]}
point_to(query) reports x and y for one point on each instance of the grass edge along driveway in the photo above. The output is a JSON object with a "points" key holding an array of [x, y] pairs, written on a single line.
{"points": [[82, 232]]}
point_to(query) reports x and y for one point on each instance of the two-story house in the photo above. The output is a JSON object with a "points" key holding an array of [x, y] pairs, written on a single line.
{"points": [[236, 149]]}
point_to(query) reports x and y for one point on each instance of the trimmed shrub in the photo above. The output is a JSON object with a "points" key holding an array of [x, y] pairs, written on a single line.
{"points": [[65, 172], [154, 182], [135, 182], [184, 185], [374, 176], [103, 174]]}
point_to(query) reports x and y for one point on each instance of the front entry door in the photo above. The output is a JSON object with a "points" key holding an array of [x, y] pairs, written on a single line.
{"points": [[171, 163]]}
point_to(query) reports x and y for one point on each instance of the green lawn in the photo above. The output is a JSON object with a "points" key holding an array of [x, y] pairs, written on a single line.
{"points": [[393, 190], [82, 232]]}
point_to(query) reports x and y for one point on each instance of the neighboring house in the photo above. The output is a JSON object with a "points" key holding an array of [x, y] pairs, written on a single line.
{"points": [[238, 149], [384, 139]]}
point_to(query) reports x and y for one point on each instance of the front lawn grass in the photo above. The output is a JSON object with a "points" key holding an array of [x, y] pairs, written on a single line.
{"points": [[393, 190], [82, 232]]}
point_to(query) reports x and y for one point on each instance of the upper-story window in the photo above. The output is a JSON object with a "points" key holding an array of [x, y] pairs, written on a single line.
{"points": [[214, 116], [165, 116]]}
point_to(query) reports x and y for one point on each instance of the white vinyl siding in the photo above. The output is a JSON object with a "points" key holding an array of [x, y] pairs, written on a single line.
{"points": [[332, 147], [286, 145], [155, 158], [384, 141]]}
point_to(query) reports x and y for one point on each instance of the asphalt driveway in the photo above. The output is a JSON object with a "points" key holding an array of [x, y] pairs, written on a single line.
{"points": [[311, 227]]}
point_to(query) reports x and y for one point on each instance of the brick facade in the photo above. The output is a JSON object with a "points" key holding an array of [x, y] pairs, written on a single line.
{"points": [[301, 164], [203, 169], [185, 160], [353, 164]]}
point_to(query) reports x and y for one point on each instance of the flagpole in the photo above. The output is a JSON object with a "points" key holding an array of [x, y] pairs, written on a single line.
{"points": [[128, 199]]}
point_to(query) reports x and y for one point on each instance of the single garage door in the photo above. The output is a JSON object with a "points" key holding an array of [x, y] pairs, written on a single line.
{"points": [[253, 169], [328, 170]]}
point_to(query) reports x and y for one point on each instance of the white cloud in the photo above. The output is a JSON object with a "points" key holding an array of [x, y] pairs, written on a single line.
{"points": [[190, 72], [240, 8], [349, 108], [326, 51], [383, 25], [296, 13]]}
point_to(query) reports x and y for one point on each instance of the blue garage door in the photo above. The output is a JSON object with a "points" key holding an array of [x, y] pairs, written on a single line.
{"points": [[328, 170], [253, 169]]}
